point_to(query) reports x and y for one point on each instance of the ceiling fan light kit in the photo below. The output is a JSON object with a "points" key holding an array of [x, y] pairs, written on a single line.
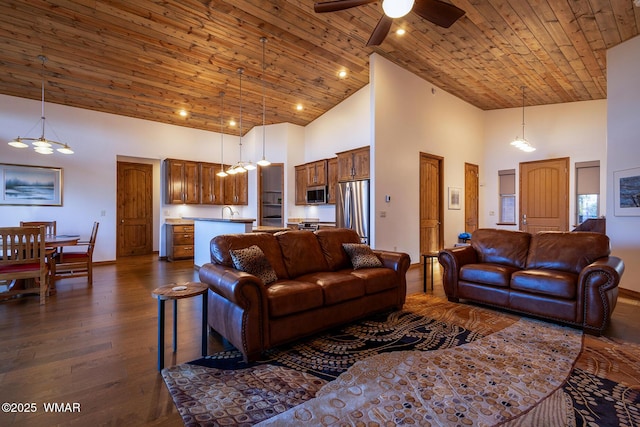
{"points": [[397, 8], [41, 145]]}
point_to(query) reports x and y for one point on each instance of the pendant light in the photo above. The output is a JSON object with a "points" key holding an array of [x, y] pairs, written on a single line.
{"points": [[241, 166], [222, 173], [397, 8], [263, 162], [522, 143], [41, 145]]}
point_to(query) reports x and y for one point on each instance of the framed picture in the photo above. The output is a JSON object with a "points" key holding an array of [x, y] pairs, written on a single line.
{"points": [[31, 185], [626, 192], [454, 197]]}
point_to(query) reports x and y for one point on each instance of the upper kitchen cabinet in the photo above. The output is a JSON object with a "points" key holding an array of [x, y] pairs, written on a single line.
{"points": [[353, 164], [182, 182], [211, 185], [236, 189], [301, 184], [332, 179], [317, 173]]}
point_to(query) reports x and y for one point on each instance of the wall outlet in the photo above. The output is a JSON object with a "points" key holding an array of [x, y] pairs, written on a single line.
{"points": [[383, 214], [491, 213], [103, 213]]}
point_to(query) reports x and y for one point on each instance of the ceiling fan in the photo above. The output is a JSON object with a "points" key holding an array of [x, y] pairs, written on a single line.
{"points": [[436, 11]]}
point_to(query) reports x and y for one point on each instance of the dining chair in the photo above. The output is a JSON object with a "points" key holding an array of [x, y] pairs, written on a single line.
{"points": [[73, 263], [52, 253], [49, 226], [22, 256]]}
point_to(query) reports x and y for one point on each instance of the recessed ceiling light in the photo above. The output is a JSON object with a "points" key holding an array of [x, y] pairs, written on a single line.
{"points": [[299, 107], [183, 113], [232, 122], [342, 74], [401, 31]]}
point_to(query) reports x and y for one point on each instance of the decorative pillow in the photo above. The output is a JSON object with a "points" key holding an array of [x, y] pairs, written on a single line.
{"points": [[361, 256], [253, 261]]}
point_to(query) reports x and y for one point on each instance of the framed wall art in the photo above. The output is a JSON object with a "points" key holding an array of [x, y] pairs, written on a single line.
{"points": [[626, 185], [454, 197], [31, 185]]}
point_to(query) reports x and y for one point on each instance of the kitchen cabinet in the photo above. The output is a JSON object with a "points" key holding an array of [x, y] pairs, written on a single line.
{"points": [[301, 184], [179, 238], [332, 179], [317, 173], [211, 185], [236, 188], [182, 182], [354, 164]]}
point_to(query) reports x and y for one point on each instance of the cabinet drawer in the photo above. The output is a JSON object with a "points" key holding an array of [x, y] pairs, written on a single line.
{"points": [[182, 229], [183, 238], [183, 251]]}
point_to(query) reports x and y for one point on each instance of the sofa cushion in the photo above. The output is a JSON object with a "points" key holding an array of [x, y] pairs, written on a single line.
{"points": [[361, 256], [301, 252], [291, 296], [252, 260], [331, 240], [377, 279], [487, 274], [336, 286], [553, 283], [222, 244], [566, 251], [501, 246]]}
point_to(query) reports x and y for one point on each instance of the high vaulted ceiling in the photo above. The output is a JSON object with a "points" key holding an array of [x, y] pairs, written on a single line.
{"points": [[150, 59]]}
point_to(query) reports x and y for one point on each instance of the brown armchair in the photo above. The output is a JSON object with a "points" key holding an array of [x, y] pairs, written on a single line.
{"points": [[75, 263]]}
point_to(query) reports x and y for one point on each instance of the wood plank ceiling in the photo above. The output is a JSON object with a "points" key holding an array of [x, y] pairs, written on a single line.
{"points": [[150, 59]]}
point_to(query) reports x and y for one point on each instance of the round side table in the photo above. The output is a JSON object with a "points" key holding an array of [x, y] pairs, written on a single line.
{"points": [[175, 292]]}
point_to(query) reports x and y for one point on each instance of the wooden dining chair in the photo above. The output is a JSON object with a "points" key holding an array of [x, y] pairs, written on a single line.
{"points": [[49, 226], [73, 263], [52, 253], [22, 257]]}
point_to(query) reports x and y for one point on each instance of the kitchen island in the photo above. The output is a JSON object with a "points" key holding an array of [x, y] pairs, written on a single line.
{"points": [[207, 228]]}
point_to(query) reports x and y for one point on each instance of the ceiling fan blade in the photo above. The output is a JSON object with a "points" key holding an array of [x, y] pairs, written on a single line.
{"points": [[336, 5], [438, 12], [381, 31]]}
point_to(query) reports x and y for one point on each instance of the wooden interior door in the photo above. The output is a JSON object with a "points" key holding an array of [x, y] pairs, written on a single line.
{"points": [[544, 195], [135, 209], [431, 203], [471, 188]]}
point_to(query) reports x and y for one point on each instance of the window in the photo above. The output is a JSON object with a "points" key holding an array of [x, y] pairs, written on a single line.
{"points": [[587, 190], [507, 190]]}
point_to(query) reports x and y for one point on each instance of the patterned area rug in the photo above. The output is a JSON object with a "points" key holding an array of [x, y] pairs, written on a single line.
{"points": [[433, 363]]}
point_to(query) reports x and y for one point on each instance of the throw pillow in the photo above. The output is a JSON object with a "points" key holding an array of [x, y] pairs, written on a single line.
{"points": [[361, 256], [253, 261]]}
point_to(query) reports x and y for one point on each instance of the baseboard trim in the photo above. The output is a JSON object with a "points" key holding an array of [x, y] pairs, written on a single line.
{"points": [[626, 293]]}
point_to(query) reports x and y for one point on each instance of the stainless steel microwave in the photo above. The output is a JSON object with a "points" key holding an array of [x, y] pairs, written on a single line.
{"points": [[317, 195]]}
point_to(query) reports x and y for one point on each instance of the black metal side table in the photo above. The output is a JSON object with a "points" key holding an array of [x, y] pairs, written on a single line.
{"points": [[431, 257], [175, 292]]}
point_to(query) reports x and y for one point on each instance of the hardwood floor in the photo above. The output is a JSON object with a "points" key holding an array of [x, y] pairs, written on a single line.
{"points": [[98, 346]]}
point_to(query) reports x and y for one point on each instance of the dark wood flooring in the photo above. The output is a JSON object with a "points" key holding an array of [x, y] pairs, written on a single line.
{"points": [[98, 346]]}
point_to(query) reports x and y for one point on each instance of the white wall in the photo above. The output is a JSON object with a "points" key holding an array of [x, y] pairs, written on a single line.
{"points": [[623, 133], [577, 130], [413, 116]]}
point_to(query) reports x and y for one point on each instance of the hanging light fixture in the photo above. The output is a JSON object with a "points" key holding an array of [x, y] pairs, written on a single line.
{"points": [[222, 173], [522, 143], [41, 145], [263, 162], [241, 166]]}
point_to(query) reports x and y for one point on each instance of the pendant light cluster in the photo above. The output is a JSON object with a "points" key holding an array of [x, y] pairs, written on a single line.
{"points": [[41, 145], [242, 166], [522, 143]]}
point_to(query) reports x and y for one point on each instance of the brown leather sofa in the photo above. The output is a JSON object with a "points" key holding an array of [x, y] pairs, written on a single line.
{"points": [[562, 276], [316, 288]]}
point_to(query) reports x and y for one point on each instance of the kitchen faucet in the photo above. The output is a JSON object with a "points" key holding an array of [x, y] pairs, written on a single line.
{"points": [[230, 210]]}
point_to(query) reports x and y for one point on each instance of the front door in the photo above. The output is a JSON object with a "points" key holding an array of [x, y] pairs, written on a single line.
{"points": [[470, 197], [135, 209], [431, 202], [544, 195]]}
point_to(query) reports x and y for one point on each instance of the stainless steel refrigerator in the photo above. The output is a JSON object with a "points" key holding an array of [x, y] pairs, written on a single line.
{"points": [[352, 207]]}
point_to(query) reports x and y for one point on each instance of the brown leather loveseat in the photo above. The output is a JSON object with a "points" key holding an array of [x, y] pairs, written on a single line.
{"points": [[562, 276], [315, 286]]}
